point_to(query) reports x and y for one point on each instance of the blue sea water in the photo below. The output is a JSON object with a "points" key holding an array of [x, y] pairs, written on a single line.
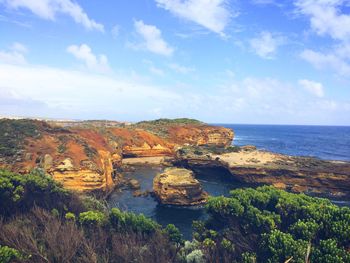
{"points": [[325, 142]]}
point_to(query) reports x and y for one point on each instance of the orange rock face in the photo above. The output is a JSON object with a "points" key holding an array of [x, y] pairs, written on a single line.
{"points": [[201, 135], [83, 156]]}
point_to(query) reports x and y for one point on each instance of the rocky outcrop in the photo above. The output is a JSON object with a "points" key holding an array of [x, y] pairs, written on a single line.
{"points": [[176, 186], [85, 156], [88, 176], [298, 174]]}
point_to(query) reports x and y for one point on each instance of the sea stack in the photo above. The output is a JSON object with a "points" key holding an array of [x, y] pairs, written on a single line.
{"points": [[177, 186]]}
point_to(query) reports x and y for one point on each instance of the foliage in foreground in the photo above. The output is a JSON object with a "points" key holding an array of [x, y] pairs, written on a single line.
{"points": [[274, 226], [41, 222]]}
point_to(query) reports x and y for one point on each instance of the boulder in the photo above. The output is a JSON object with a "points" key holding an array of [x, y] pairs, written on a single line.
{"points": [[177, 186], [134, 184]]}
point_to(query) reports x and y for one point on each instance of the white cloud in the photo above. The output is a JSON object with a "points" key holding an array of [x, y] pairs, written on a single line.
{"points": [[211, 14], [326, 17], [59, 93], [152, 39], [315, 88], [269, 100], [266, 44], [333, 60], [181, 69], [48, 9], [15, 54], [75, 94], [93, 62]]}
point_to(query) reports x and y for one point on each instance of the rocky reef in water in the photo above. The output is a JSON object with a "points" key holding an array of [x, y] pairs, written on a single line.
{"points": [[250, 165], [178, 186], [86, 155]]}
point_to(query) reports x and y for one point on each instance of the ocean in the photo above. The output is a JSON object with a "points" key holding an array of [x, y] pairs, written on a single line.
{"points": [[324, 142]]}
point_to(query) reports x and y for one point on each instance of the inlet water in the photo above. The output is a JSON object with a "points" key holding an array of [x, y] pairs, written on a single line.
{"points": [[213, 181]]}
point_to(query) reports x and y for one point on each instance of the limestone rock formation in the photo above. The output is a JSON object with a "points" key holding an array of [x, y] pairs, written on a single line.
{"points": [[298, 174], [177, 186], [85, 156]]}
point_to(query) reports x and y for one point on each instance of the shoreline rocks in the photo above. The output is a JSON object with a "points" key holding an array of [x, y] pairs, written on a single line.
{"points": [[177, 186], [299, 174]]}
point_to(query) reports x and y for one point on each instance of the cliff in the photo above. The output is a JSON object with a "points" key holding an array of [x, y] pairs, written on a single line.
{"points": [[249, 165], [84, 156]]}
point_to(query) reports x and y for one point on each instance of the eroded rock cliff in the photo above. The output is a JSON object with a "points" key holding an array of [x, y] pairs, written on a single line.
{"points": [[84, 156]]}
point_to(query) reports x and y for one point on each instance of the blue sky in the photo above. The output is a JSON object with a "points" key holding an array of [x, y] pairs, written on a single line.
{"points": [[251, 61]]}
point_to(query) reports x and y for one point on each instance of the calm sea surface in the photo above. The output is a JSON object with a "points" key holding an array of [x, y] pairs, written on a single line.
{"points": [[320, 141]]}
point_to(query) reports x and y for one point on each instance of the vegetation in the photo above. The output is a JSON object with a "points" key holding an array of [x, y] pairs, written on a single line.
{"points": [[41, 222], [8, 254], [275, 226], [170, 121], [20, 192], [160, 127], [13, 133]]}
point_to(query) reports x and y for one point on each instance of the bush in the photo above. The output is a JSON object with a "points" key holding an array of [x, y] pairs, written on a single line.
{"points": [[329, 252], [19, 192], [92, 218], [174, 234], [277, 225], [8, 254], [122, 221], [70, 217], [196, 256], [279, 247]]}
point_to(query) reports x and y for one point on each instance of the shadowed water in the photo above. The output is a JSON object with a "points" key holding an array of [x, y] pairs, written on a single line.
{"points": [[213, 182]]}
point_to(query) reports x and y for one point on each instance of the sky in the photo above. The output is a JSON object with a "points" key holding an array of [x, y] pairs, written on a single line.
{"points": [[219, 61]]}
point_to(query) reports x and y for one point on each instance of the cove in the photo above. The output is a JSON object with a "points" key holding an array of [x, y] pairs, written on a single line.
{"points": [[214, 181]]}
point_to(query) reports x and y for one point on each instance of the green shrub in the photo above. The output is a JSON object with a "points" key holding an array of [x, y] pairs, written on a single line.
{"points": [[305, 230], [122, 221], [19, 192], [277, 225], [248, 257], [8, 254], [92, 218], [70, 216], [279, 247], [174, 234], [196, 256], [329, 252]]}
